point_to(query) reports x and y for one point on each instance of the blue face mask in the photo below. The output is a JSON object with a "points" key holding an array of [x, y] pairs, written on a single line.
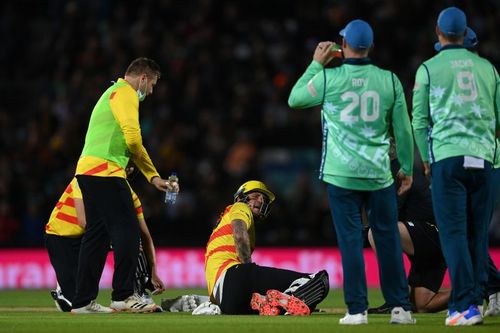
{"points": [[140, 94]]}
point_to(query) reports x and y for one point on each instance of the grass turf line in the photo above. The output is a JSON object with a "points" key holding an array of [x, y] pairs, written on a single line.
{"points": [[33, 311]]}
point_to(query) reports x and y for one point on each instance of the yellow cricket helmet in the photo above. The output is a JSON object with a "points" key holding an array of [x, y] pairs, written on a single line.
{"points": [[255, 186]]}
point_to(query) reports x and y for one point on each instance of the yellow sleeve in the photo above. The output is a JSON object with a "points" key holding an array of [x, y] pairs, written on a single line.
{"points": [[137, 205], [145, 165], [125, 108], [241, 211]]}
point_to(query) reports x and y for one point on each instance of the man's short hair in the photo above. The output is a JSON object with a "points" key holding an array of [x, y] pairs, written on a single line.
{"points": [[454, 39], [143, 65]]}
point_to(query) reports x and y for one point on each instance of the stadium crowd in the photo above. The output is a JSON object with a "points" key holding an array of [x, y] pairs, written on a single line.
{"points": [[219, 115]]}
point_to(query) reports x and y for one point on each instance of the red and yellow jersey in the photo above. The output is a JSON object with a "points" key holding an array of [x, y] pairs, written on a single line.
{"points": [[220, 253], [63, 220], [96, 166]]}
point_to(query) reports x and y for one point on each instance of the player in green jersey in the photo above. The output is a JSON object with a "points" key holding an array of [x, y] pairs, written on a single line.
{"points": [[361, 105], [471, 43], [455, 116]]}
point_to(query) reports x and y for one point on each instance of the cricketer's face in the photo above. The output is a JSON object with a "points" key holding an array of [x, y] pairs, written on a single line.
{"points": [[255, 201], [150, 84]]}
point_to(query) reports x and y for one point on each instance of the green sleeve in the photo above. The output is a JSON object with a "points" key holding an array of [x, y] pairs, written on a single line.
{"points": [[309, 89], [402, 130], [497, 102], [420, 113]]}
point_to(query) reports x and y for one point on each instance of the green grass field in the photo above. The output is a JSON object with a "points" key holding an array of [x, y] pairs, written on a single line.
{"points": [[34, 311]]}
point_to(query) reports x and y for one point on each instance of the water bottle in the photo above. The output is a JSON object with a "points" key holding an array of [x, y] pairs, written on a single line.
{"points": [[336, 51], [171, 195]]}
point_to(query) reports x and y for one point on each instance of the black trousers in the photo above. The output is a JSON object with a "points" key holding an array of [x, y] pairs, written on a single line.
{"points": [[111, 217], [243, 280], [63, 255]]}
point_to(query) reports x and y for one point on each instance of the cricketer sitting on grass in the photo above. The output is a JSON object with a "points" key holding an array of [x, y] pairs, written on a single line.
{"points": [[236, 285]]}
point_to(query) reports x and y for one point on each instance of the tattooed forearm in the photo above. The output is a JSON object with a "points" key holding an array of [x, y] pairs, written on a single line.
{"points": [[242, 241]]}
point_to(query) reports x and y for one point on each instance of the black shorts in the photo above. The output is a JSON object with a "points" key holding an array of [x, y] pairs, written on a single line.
{"points": [[63, 255], [427, 263], [242, 280]]}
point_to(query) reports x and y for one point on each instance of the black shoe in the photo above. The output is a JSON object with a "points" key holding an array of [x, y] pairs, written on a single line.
{"points": [[62, 303], [383, 309]]}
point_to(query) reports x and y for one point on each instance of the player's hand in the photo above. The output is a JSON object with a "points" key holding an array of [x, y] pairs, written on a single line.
{"points": [[165, 185], [404, 182], [323, 53], [427, 171], [157, 283]]}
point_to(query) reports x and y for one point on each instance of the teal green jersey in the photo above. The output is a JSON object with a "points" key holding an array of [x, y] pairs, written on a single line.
{"points": [[456, 101], [362, 106]]}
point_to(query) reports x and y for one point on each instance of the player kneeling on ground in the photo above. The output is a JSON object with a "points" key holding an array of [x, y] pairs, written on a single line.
{"points": [[64, 233]]}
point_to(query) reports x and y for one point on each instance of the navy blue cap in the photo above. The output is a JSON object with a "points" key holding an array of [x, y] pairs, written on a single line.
{"points": [[470, 40], [452, 21], [358, 34]]}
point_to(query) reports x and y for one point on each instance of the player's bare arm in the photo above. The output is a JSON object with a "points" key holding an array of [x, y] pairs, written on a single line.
{"points": [[149, 250], [242, 241]]}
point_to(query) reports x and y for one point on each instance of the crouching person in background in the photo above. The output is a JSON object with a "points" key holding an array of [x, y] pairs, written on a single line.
{"points": [[64, 233]]}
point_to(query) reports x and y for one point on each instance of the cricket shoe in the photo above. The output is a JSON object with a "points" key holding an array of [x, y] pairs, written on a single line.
{"points": [[260, 303], [148, 299], [354, 319], [401, 316], [493, 305], [133, 303], [62, 304], [469, 317], [92, 307], [292, 305], [382, 309]]}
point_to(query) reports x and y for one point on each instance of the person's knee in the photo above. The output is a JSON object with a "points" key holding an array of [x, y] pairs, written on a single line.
{"points": [[420, 307], [420, 302], [424, 300]]}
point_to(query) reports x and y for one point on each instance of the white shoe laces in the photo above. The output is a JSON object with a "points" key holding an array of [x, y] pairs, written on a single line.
{"points": [[94, 306], [493, 302]]}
